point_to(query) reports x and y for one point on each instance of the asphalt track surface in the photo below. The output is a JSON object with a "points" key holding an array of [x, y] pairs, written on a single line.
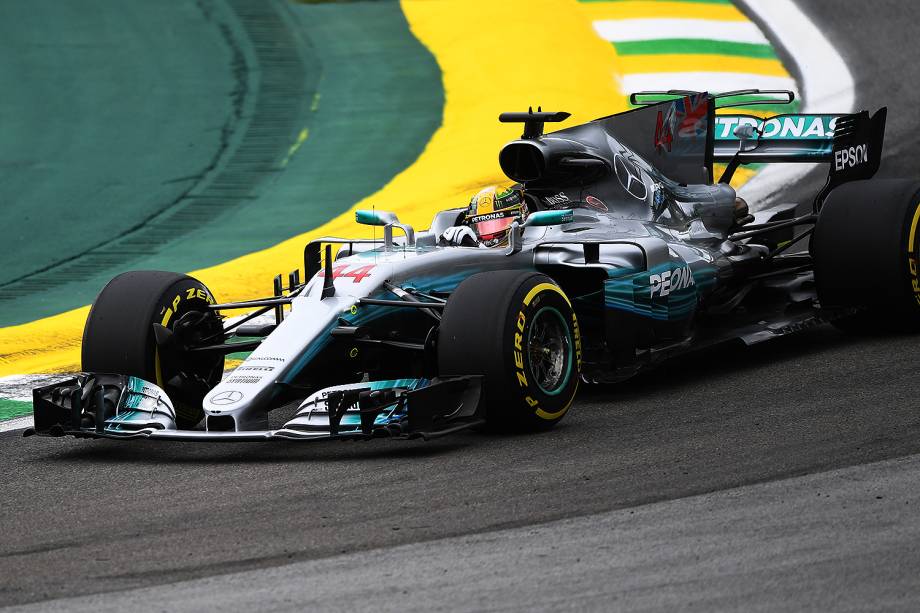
{"points": [[746, 548], [89, 517]]}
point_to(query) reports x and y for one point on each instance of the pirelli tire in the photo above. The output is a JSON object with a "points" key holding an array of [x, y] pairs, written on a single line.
{"points": [[866, 249], [119, 336], [519, 331]]}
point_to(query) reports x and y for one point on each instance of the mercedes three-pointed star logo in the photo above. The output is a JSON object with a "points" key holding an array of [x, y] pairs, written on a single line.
{"points": [[630, 177], [228, 397]]}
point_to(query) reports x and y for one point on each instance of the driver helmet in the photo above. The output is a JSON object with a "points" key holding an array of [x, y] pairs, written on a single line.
{"points": [[492, 211]]}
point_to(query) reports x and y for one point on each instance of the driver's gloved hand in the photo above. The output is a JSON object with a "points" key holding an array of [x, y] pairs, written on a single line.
{"points": [[459, 236]]}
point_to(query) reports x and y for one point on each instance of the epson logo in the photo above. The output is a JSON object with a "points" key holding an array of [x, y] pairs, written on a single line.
{"points": [[848, 158], [670, 281]]}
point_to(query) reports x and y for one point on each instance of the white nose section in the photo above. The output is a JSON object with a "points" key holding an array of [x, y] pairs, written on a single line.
{"points": [[303, 333], [280, 351]]}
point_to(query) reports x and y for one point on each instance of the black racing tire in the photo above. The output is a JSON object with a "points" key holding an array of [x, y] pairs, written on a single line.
{"points": [[119, 337], [518, 330], [866, 248]]}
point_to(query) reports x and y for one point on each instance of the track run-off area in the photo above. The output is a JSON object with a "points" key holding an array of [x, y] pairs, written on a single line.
{"points": [[220, 138]]}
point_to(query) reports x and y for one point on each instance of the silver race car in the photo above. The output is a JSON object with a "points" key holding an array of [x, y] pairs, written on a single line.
{"points": [[629, 252]]}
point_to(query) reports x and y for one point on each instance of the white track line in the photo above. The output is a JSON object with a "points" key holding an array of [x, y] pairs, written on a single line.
{"points": [[826, 82], [19, 423], [19, 387], [629, 30]]}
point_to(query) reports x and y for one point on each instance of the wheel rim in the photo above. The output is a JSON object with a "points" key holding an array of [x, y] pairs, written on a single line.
{"points": [[549, 346], [208, 370]]}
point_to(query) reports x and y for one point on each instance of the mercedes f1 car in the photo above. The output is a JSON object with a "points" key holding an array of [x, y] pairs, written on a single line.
{"points": [[634, 253]]}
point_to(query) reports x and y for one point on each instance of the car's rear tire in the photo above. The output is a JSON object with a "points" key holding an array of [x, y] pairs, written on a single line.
{"points": [[866, 249], [519, 331], [119, 336]]}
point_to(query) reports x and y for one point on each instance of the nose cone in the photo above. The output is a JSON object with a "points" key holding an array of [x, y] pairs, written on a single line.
{"points": [[242, 399]]}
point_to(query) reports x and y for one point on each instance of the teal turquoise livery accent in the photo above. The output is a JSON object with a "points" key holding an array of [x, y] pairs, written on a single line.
{"points": [[781, 127], [782, 138], [390, 413], [667, 292], [550, 218], [366, 314], [375, 218], [134, 397]]}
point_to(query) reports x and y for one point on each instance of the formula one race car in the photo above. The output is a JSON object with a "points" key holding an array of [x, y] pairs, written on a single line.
{"points": [[631, 253]]}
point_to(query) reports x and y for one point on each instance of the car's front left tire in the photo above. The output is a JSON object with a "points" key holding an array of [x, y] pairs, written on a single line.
{"points": [[119, 336]]}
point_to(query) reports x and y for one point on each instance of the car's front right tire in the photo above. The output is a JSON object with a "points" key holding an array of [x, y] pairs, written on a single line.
{"points": [[519, 331]]}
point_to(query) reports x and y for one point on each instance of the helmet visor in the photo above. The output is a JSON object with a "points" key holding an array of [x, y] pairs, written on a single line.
{"points": [[493, 228]]}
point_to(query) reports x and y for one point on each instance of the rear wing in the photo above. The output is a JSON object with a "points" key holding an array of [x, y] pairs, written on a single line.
{"points": [[782, 138], [850, 143], [846, 140]]}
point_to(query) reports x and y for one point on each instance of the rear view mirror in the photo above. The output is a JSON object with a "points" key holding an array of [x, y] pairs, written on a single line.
{"points": [[549, 218], [376, 218]]}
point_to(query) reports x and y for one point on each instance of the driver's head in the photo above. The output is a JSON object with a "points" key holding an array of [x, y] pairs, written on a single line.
{"points": [[492, 211]]}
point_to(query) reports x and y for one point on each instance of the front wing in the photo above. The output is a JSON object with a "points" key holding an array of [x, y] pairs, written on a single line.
{"points": [[93, 405]]}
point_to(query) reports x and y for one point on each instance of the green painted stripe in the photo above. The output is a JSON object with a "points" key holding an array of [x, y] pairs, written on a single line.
{"points": [[694, 46], [10, 409]]}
